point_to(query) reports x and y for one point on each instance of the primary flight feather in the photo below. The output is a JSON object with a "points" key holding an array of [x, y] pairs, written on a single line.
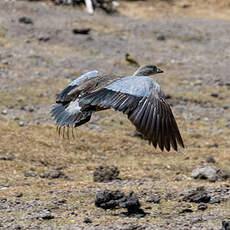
{"points": [[138, 96]]}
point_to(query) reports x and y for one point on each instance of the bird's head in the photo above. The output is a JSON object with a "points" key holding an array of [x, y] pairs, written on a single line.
{"points": [[147, 70]]}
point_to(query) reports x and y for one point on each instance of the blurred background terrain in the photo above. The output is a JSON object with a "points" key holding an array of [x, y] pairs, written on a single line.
{"points": [[47, 182]]}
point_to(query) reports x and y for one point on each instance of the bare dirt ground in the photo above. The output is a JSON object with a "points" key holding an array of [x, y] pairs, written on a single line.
{"points": [[46, 182]]}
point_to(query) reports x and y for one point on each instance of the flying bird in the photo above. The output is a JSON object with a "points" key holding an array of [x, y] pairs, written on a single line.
{"points": [[138, 96]]}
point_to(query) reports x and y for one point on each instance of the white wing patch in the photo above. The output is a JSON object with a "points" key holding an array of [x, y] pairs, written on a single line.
{"points": [[73, 107]]}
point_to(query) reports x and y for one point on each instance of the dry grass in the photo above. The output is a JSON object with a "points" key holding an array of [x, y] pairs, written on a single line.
{"points": [[195, 9], [37, 148]]}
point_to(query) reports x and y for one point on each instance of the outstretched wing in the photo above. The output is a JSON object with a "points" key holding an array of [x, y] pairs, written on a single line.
{"points": [[142, 99], [71, 91]]}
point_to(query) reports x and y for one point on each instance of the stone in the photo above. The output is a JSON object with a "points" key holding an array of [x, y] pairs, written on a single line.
{"points": [[197, 196], [87, 220], [21, 123], [154, 200], [206, 173], [81, 30], [4, 112], [52, 174], [105, 173], [7, 157], [45, 215], [214, 201], [202, 207], [160, 37], [25, 20], [214, 94], [210, 160]]}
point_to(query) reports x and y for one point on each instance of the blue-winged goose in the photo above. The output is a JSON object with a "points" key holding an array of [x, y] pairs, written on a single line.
{"points": [[138, 96]]}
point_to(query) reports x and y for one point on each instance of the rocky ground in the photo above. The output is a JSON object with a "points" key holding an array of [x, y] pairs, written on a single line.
{"points": [[47, 182]]}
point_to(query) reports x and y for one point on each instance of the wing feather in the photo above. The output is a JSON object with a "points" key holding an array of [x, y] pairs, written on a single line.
{"points": [[146, 109]]}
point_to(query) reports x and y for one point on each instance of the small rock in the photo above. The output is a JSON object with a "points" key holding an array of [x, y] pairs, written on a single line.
{"points": [[202, 207], [44, 38], [30, 174], [61, 201], [225, 225], [105, 173], [210, 160], [197, 196], [214, 94], [30, 109], [131, 203], [109, 199], [214, 201], [160, 37], [81, 30], [153, 200], [207, 173], [20, 194], [45, 215], [87, 220], [4, 112], [25, 20], [213, 145], [186, 210], [52, 174], [21, 123], [7, 157], [184, 5], [116, 199]]}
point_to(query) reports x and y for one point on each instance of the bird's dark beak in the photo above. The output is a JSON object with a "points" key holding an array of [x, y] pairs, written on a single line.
{"points": [[159, 70]]}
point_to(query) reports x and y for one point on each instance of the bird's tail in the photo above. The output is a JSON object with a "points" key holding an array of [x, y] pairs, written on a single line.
{"points": [[70, 114]]}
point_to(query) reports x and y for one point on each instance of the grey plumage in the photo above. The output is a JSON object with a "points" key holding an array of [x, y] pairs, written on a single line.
{"points": [[138, 96]]}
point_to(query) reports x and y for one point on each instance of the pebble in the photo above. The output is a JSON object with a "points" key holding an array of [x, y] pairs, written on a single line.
{"points": [[117, 199], [81, 30], [109, 199], [4, 112], [131, 203], [153, 200], [52, 174], [214, 201], [214, 94], [25, 20], [44, 38], [202, 207], [210, 160], [186, 210], [7, 157], [30, 174], [45, 215], [87, 220], [21, 123], [161, 37], [20, 194], [105, 173], [213, 145], [207, 173], [197, 196]]}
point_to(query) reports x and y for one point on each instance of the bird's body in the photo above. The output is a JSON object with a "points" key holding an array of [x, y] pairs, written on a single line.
{"points": [[131, 60], [138, 96]]}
